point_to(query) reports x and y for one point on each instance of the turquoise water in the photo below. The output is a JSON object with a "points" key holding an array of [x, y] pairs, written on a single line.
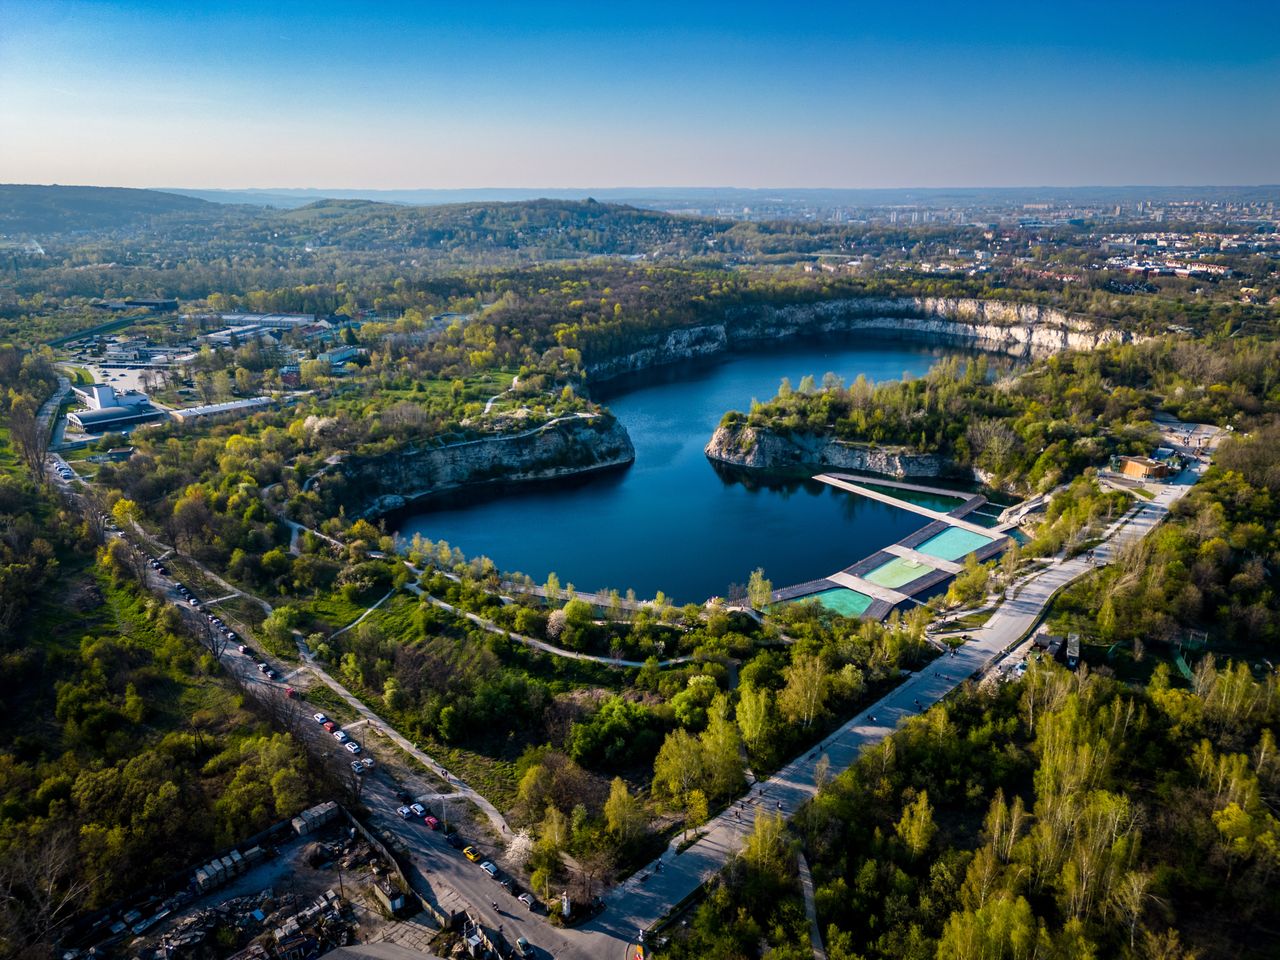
{"points": [[673, 521], [841, 600], [932, 501], [897, 572], [953, 543]]}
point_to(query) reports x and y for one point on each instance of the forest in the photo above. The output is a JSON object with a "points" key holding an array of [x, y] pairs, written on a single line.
{"points": [[1125, 810]]}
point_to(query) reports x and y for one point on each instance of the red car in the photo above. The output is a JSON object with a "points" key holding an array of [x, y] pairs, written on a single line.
{"points": [[330, 726], [431, 822]]}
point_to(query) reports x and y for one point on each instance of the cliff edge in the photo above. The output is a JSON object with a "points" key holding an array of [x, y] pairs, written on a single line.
{"points": [[757, 449], [370, 486]]}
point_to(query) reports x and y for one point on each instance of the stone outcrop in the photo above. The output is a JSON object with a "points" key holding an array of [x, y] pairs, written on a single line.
{"points": [[371, 486], [757, 449], [1017, 329]]}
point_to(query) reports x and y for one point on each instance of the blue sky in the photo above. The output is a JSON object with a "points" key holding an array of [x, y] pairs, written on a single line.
{"points": [[546, 94]]}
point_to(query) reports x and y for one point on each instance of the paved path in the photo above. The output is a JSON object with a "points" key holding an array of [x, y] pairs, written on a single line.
{"points": [[647, 896], [810, 907], [356, 622], [533, 641], [597, 599]]}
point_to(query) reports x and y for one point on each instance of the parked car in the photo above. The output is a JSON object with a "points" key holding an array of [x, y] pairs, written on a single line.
{"points": [[330, 726], [356, 767], [490, 869], [526, 899], [405, 812], [269, 673], [319, 718], [471, 853], [341, 736], [368, 762], [352, 746], [418, 809], [523, 948], [431, 822]]}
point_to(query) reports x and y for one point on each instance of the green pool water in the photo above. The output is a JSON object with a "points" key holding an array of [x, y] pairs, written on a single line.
{"points": [[841, 600], [896, 572], [952, 544]]}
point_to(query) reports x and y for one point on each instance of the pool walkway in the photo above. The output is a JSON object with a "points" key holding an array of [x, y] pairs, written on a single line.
{"points": [[953, 518], [873, 590], [918, 565], [898, 550]]}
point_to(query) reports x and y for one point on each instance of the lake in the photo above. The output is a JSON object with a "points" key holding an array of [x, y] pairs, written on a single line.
{"points": [[673, 521]]}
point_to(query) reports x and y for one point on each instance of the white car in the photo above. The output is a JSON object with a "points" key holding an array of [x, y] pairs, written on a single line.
{"points": [[405, 812], [418, 810], [490, 869], [341, 736], [352, 747], [356, 767], [317, 717], [368, 762]]}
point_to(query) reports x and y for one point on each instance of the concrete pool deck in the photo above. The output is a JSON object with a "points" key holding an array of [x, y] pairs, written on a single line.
{"points": [[898, 550], [889, 574]]}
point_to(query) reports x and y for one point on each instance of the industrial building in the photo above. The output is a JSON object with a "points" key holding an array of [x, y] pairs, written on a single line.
{"points": [[190, 414]]}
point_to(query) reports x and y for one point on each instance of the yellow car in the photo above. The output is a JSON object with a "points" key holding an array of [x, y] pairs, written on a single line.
{"points": [[471, 853]]}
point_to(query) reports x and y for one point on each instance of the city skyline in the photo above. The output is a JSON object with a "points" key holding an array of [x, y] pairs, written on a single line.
{"points": [[150, 94]]}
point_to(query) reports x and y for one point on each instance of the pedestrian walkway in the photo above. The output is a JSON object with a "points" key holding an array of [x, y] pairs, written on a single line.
{"points": [[810, 907]]}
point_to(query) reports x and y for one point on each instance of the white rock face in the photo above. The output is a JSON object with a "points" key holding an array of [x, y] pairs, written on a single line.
{"points": [[377, 485], [764, 450], [1017, 329]]}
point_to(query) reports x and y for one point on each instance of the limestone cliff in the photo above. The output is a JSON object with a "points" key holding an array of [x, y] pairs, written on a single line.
{"points": [[370, 486], [757, 449], [1017, 329]]}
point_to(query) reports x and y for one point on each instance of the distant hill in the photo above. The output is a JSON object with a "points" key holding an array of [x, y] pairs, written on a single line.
{"points": [[541, 228], [38, 209]]}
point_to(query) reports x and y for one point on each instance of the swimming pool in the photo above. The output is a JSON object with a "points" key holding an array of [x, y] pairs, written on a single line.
{"points": [[896, 572], [841, 600], [953, 543]]}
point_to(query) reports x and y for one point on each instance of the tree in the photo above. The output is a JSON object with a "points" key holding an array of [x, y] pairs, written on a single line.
{"points": [[803, 699], [755, 717], [1004, 929], [696, 811], [623, 815], [519, 849], [766, 848], [916, 827], [722, 750], [29, 435], [759, 590], [679, 767], [126, 513]]}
